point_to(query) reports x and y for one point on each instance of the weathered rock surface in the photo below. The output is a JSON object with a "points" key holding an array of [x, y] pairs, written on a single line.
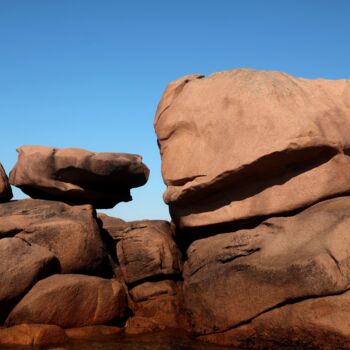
{"points": [[115, 227], [5, 188], [245, 143], [151, 290], [71, 301], [21, 266], [78, 176], [33, 335], [70, 232], [231, 279], [147, 250], [320, 323], [157, 306]]}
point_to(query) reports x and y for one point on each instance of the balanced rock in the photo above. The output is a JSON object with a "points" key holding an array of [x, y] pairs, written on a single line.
{"points": [[78, 176], [33, 335], [147, 250], [5, 188], [233, 278], [71, 301], [21, 266], [70, 232], [245, 143]]}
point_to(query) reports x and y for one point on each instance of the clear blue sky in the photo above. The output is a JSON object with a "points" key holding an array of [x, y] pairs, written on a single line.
{"points": [[90, 73]]}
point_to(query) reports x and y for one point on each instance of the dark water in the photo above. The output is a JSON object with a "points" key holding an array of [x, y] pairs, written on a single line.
{"points": [[156, 341]]}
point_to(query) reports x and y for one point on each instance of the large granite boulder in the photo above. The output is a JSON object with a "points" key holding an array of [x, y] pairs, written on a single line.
{"points": [[71, 301], [21, 266], [146, 250], [5, 188], [245, 143], [78, 176], [246, 277], [70, 232]]}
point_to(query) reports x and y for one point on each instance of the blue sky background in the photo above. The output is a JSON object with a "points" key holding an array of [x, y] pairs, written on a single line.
{"points": [[90, 73]]}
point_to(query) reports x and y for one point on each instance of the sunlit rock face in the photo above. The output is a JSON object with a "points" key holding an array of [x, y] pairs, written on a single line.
{"points": [[77, 176], [232, 278], [71, 233], [21, 265], [244, 143]]}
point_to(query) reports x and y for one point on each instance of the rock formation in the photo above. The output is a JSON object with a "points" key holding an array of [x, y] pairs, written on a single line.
{"points": [[71, 301], [69, 232], [242, 144], [5, 188], [283, 260], [257, 169], [150, 264], [21, 266], [78, 176]]}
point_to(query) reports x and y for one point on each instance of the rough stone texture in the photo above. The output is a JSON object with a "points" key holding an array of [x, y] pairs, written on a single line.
{"points": [[33, 335], [71, 301], [115, 227], [70, 232], [147, 250], [321, 323], [5, 188], [157, 306], [21, 266], [151, 290], [232, 278], [247, 143], [92, 331], [78, 176]]}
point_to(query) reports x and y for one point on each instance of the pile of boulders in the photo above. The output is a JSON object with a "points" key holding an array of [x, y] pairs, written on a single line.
{"points": [[257, 256], [63, 267], [257, 168]]}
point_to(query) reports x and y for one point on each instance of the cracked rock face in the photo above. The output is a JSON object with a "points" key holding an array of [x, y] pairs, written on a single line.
{"points": [[147, 250], [239, 279], [5, 188], [70, 232], [240, 144], [78, 176]]}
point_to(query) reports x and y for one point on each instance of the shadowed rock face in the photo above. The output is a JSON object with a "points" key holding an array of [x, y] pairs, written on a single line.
{"points": [[232, 279], [5, 188], [33, 335], [70, 232], [71, 301], [147, 250], [78, 176], [150, 264], [156, 306], [21, 266], [241, 144]]}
